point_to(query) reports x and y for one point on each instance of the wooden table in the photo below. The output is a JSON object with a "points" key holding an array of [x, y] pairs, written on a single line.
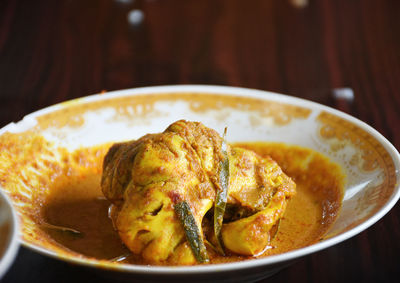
{"points": [[51, 51]]}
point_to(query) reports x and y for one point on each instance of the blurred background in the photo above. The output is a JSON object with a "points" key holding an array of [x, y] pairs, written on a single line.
{"points": [[341, 53]]}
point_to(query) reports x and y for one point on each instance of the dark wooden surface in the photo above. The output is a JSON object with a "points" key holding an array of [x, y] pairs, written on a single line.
{"points": [[51, 51]]}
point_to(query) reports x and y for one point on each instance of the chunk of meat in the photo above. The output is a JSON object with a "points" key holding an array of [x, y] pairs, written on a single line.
{"points": [[145, 179]]}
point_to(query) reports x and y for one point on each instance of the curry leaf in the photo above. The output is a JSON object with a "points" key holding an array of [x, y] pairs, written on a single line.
{"points": [[222, 194], [195, 239], [61, 229]]}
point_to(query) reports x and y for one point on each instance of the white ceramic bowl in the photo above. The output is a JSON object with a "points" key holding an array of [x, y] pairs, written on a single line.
{"points": [[370, 162], [8, 234]]}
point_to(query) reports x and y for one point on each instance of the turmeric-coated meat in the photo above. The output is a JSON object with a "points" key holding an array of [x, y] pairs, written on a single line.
{"points": [[149, 179]]}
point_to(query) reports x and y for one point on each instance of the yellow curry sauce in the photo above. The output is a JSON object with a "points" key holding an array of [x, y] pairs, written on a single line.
{"points": [[75, 200]]}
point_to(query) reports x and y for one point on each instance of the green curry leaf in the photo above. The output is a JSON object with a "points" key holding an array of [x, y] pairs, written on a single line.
{"points": [[193, 235], [222, 194]]}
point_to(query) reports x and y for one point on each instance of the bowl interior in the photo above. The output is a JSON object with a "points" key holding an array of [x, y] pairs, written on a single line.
{"points": [[370, 163]]}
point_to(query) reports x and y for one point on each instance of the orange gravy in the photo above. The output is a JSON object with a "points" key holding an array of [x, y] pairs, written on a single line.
{"points": [[76, 201]]}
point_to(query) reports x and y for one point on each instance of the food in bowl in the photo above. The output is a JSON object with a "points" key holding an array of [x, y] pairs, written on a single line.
{"points": [[160, 175], [179, 182], [51, 167]]}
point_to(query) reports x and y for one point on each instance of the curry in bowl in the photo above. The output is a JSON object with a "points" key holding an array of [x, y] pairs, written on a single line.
{"points": [[181, 197], [338, 176]]}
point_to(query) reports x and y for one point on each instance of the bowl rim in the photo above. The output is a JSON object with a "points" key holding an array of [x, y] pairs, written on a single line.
{"points": [[10, 253], [29, 120]]}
